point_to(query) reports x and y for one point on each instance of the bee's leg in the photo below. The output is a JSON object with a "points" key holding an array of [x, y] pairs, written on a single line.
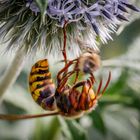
{"points": [[99, 93]]}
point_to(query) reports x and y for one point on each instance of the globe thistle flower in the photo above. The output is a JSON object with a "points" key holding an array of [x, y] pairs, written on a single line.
{"points": [[21, 23]]}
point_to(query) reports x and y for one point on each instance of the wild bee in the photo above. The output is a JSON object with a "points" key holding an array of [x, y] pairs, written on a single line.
{"points": [[62, 99], [89, 62]]}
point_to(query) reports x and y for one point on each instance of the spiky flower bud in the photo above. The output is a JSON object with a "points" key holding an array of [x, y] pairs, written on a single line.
{"points": [[21, 23]]}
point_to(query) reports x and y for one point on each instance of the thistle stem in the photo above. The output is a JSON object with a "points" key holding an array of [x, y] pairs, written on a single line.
{"points": [[13, 71]]}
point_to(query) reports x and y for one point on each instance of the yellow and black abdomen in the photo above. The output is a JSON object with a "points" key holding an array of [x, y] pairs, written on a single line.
{"points": [[41, 85]]}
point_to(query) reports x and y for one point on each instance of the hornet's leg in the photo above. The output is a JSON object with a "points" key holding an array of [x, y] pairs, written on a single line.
{"points": [[75, 94], [76, 77], [65, 69], [59, 77], [77, 72], [91, 81], [99, 93], [87, 95], [64, 43], [64, 81]]}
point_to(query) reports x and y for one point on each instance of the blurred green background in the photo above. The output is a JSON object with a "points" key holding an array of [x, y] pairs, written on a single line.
{"points": [[117, 116]]}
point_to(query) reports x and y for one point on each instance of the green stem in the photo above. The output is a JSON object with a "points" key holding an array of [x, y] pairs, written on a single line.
{"points": [[12, 71]]}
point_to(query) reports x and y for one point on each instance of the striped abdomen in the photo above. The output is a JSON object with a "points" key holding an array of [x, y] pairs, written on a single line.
{"points": [[41, 85]]}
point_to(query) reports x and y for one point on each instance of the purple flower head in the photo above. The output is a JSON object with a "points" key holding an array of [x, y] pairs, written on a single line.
{"points": [[63, 10], [101, 15], [33, 6], [75, 10]]}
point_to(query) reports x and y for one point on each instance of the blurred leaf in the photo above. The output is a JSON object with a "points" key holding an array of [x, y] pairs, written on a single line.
{"points": [[46, 131], [120, 122], [98, 122], [116, 92], [78, 133], [118, 85], [12, 109], [22, 80], [65, 129], [120, 93], [135, 101], [122, 42]]}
